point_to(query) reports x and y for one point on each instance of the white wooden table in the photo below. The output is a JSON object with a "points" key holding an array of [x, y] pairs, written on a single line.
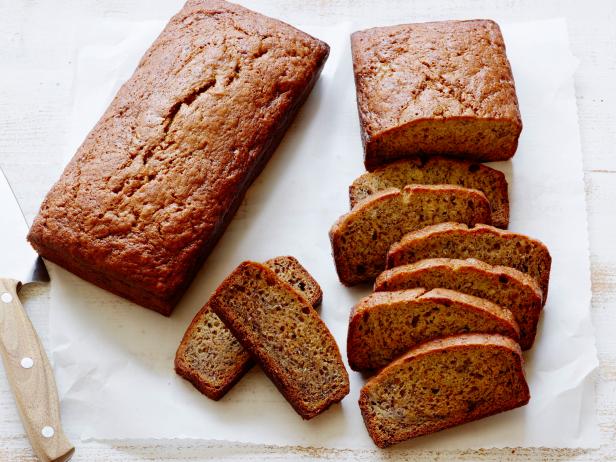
{"points": [[36, 45]]}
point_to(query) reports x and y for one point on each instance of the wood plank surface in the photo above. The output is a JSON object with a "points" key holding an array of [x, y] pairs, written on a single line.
{"points": [[36, 46]]}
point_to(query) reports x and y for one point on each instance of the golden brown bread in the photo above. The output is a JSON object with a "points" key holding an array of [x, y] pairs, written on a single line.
{"points": [[155, 183], [384, 325], [360, 239], [491, 245], [285, 335], [438, 170], [210, 357], [507, 287], [435, 88], [443, 383]]}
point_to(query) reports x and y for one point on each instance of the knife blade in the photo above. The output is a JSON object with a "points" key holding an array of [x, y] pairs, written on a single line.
{"points": [[25, 361]]}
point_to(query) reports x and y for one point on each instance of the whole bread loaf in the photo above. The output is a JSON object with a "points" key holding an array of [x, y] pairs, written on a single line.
{"points": [[443, 383], [507, 287], [210, 357], [435, 88], [491, 245], [156, 182], [438, 170], [360, 239], [384, 325], [285, 335]]}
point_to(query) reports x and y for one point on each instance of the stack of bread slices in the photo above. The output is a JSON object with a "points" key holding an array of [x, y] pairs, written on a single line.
{"points": [[456, 296], [265, 313]]}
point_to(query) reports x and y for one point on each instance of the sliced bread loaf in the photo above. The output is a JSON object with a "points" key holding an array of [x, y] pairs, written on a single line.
{"points": [[384, 325], [286, 336], [507, 287], [210, 357], [491, 245], [360, 239], [443, 383], [438, 170]]}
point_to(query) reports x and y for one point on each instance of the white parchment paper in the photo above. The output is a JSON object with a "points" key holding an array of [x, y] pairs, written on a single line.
{"points": [[114, 360]]}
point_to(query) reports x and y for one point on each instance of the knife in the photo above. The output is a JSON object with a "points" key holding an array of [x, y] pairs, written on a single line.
{"points": [[26, 364]]}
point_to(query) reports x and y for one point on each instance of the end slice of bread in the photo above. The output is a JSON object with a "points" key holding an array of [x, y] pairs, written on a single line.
{"points": [[285, 335], [487, 243], [507, 287], [210, 357], [438, 170], [384, 325], [360, 239], [441, 384], [292, 272]]}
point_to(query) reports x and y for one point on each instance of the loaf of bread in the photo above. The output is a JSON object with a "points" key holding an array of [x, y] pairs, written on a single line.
{"points": [[507, 287], [156, 182], [210, 357], [443, 383], [360, 239], [384, 325], [438, 170], [285, 335], [491, 245], [435, 88]]}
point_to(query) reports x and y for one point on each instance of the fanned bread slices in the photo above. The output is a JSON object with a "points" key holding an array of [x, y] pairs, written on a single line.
{"points": [[285, 335], [360, 239], [438, 170], [443, 383], [210, 357], [384, 325], [507, 287], [491, 245]]}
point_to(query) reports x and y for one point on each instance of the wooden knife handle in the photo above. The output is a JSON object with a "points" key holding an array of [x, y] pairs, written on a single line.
{"points": [[31, 378]]}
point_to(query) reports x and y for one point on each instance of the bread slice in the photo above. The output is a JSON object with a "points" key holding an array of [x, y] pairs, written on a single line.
{"points": [[491, 245], [286, 336], [443, 383], [384, 325], [360, 239], [292, 272], [438, 170], [507, 287], [210, 357]]}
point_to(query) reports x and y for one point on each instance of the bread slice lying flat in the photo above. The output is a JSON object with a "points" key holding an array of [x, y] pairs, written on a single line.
{"points": [[491, 245], [210, 357], [438, 170], [292, 272], [443, 383], [285, 335], [507, 287], [360, 239], [384, 325]]}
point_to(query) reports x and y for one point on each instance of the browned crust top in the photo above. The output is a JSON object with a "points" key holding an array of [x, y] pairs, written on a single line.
{"points": [[158, 174], [439, 70]]}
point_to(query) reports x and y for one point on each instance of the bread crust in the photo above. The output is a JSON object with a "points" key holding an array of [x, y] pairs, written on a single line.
{"points": [[445, 73], [438, 170], [523, 249], [256, 345], [467, 341], [412, 303], [144, 200]]}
